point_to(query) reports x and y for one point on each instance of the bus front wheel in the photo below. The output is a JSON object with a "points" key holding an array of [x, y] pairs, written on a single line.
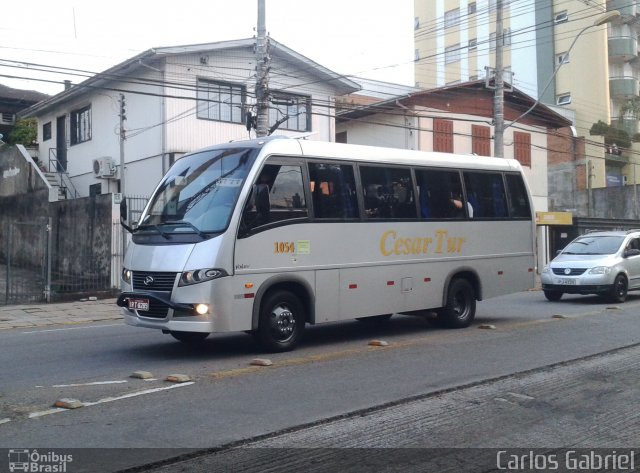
{"points": [[461, 305], [281, 322]]}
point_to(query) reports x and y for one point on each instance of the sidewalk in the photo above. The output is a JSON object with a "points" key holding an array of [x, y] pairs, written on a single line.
{"points": [[61, 313]]}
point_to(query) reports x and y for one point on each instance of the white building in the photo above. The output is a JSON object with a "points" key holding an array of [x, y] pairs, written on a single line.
{"points": [[173, 100]]}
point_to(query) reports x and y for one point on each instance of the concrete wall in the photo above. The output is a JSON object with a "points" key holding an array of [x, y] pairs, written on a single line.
{"points": [[81, 253], [18, 172]]}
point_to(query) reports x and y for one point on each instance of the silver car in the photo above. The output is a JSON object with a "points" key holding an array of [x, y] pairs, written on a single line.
{"points": [[603, 263]]}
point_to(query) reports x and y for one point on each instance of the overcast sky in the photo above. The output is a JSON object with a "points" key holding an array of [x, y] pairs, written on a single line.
{"points": [[369, 38]]}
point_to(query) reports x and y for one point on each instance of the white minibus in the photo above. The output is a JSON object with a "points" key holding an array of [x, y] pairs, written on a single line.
{"points": [[266, 236]]}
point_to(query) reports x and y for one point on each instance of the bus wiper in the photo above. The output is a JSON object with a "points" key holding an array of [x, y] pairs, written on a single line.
{"points": [[202, 234], [166, 236]]}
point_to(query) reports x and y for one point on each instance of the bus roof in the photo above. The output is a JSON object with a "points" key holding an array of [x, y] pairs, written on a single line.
{"points": [[322, 149]]}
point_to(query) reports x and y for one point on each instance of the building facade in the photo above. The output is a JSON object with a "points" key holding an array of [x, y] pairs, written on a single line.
{"points": [[135, 119], [566, 53]]}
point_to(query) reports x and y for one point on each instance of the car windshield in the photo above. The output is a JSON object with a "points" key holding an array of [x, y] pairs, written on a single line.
{"points": [[594, 245], [199, 193]]}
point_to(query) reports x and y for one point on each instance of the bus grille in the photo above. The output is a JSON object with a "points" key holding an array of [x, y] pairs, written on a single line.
{"points": [[157, 310], [153, 281], [574, 271]]}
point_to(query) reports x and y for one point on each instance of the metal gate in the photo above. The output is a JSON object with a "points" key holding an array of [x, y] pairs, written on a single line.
{"points": [[25, 266]]}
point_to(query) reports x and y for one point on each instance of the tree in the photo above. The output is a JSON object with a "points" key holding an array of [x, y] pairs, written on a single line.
{"points": [[24, 133]]}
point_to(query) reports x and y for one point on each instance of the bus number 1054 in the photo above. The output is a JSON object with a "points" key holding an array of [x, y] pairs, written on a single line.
{"points": [[284, 247]]}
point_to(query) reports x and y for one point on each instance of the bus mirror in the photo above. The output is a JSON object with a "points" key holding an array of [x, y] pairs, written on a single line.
{"points": [[123, 209]]}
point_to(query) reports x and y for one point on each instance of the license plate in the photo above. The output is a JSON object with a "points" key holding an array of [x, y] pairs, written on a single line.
{"points": [[138, 304], [566, 282]]}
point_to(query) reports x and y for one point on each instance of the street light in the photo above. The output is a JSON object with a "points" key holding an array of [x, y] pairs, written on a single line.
{"points": [[601, 20]]}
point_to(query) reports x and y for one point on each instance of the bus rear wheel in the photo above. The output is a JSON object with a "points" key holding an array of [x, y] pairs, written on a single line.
{"points": [[281, 322], [461, 305]]}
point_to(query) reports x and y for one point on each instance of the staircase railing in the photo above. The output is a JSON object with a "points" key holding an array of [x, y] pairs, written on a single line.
{"points": [[55, 167]]}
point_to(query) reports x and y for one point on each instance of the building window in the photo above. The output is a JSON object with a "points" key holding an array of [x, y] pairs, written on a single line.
{"points": [[416, 23], [290, 112], [561, 17], [220, 101], [562, 58], [481, 140], [451, 18], [341, 137], [80, 124], [417, 55], [506, 37], [522, 147], [471, 8], [443, 135], [46, 131], [452, 54], [95, 189], [563, 99], [8, 118], [473, 44]]}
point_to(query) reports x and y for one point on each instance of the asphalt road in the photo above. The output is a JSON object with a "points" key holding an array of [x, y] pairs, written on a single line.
{"points": [[333, 374]]}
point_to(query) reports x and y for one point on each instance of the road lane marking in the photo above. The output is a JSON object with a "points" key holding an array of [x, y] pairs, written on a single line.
{"points": [[47, 412], [70, 328], [95, 383]]}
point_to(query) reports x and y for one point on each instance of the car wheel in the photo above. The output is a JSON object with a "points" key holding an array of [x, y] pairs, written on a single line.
{"points": [[461, 305], [619, 289], [553, 296], [281, 322], [190, 337]]}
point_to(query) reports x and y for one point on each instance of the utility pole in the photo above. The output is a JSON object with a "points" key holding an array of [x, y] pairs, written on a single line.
{"points": [[123, 117], [498, 98], [262, 71]]}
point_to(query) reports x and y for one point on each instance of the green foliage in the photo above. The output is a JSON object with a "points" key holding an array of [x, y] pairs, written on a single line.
{"points": [[618, 137], [612, 135], [599, 128], [636, 137], [24, 133]]}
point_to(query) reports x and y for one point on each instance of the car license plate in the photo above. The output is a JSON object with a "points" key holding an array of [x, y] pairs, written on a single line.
{"points": [[139, 304], [566, 282]]}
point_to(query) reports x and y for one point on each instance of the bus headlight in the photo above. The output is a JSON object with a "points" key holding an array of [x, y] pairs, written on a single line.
{"points": [[188, 278], [126, 275]]}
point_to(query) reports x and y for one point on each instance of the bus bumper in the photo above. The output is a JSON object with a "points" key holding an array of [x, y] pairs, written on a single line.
{"points": [[162, 314]]}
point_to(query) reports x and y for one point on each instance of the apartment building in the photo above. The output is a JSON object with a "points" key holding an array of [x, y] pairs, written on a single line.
{"points": [[573, 55]]}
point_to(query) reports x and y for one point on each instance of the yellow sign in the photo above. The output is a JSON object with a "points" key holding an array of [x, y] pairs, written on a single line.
{"points": [[554, 218], [393, 244]]}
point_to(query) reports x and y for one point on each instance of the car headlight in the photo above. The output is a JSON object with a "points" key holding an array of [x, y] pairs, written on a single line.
{"points": [[600, 270], [187, 278], [126, 275], [546, 269]]}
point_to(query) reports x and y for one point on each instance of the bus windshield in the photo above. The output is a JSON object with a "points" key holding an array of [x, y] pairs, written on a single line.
{"points": [[199, 193]]}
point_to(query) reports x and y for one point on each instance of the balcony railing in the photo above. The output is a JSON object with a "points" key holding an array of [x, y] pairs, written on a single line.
{"points": [[628, 9], [623, 48], [623, 87]]}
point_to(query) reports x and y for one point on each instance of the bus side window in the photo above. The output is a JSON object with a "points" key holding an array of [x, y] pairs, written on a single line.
{"points": [[277, 195], [486, 193], [518, 200], [333, 190], [440, 194], [388, 192]]}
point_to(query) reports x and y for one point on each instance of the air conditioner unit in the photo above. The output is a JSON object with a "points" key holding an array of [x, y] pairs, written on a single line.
{"points": [[104, 167]]}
